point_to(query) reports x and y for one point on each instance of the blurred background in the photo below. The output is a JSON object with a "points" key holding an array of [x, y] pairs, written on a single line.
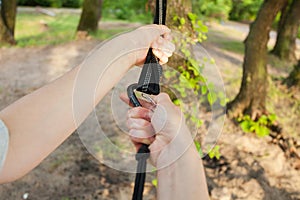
{"points": [[255, 46]]}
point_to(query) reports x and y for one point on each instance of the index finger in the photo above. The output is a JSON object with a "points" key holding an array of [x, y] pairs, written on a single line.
{"points": [[145, 104]]}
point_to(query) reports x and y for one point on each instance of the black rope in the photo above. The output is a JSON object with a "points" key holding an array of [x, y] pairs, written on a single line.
{"points": [[148, 83], [141, 157]]}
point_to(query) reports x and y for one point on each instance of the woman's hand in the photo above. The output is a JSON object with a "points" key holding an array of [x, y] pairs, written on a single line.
{"points": [[180, 171], [161, 127], [155, 36]]}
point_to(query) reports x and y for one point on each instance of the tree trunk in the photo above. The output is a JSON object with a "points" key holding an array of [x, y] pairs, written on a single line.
{"points": [[294, 78], [285, 47], [7, 21], [179, 8], [174, 8], [90, 16], [251, 98]]}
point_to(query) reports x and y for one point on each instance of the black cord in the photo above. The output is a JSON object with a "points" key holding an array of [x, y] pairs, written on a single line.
{"points": [[148, 86], [142, 156]]}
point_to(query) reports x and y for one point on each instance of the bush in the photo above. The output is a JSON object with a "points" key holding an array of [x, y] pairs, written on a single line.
{"points": [[45, 3], [132, 10], [217, 8], [51, 3], [72, 3], [244, 10]]}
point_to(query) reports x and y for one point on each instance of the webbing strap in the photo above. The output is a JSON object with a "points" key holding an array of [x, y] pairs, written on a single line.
{"points": [[148, 83], [151, 72]]}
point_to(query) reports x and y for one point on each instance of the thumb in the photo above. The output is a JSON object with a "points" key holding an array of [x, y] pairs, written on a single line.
{"points": [[163, 99]]}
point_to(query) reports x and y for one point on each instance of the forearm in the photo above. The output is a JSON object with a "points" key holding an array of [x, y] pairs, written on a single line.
{"points": [[41, 121], [185, 177]]}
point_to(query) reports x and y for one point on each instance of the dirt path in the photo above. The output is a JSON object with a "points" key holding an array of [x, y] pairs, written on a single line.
{"points": [[250, 168]]}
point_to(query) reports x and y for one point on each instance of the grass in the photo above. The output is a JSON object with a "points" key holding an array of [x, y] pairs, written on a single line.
{"points": [[233, 46], [34, 29], [37, 29], [225, 41]]}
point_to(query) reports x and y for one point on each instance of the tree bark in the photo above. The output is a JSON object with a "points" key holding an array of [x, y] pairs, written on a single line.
{"points": [[7, 21], [90, 16], [175, 8], [294, 78], [285, 47], [251, 98], [179, 8]]}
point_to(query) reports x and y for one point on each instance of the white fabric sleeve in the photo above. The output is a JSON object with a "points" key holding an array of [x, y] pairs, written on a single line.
{"points": [[4, 139]]}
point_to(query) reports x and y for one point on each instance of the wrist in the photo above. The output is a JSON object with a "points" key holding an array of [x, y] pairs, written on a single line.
{"points": [[120, 49], [170, 152]]}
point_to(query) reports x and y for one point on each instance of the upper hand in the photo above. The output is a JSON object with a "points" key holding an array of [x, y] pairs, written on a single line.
{"points": [[156, 36]]}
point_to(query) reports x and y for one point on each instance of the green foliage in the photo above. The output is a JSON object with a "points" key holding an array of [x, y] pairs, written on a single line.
{"points": [[190, 76], [218, 9], [38, 29], [215, 152], [53, 30], [233, 46], [155, 182], [72, 3], [244, 10], [239, 10], [259, 126], [51, 3], [131, 10], [190, 80], [198, 147]]}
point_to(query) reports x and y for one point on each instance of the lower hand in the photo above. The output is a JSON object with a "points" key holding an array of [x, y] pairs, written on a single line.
{"points": [[157, 126]]}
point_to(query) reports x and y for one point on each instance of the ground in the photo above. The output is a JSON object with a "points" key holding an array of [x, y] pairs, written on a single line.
{"points": [[250, 167]]}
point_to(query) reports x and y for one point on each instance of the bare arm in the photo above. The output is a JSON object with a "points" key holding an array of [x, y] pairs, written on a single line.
{"points": [[180, 171], [184, 178], [42, 120]]}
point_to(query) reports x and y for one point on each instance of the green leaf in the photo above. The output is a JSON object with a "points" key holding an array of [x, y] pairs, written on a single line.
{"points": [[192, 16], [180, 68], [211, 97], [272, 118], [203, 28], [182, 21], [204, 89], [186, 53], [177, 102], [175, 18], [198, 147], [215, 152], [155, 182], [262, 131], [199, 123], [245, 125], [263, 120]]}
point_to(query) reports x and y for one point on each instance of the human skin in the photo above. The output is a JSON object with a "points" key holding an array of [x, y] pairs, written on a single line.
{"points": [[39, 122], [180, 171]]}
